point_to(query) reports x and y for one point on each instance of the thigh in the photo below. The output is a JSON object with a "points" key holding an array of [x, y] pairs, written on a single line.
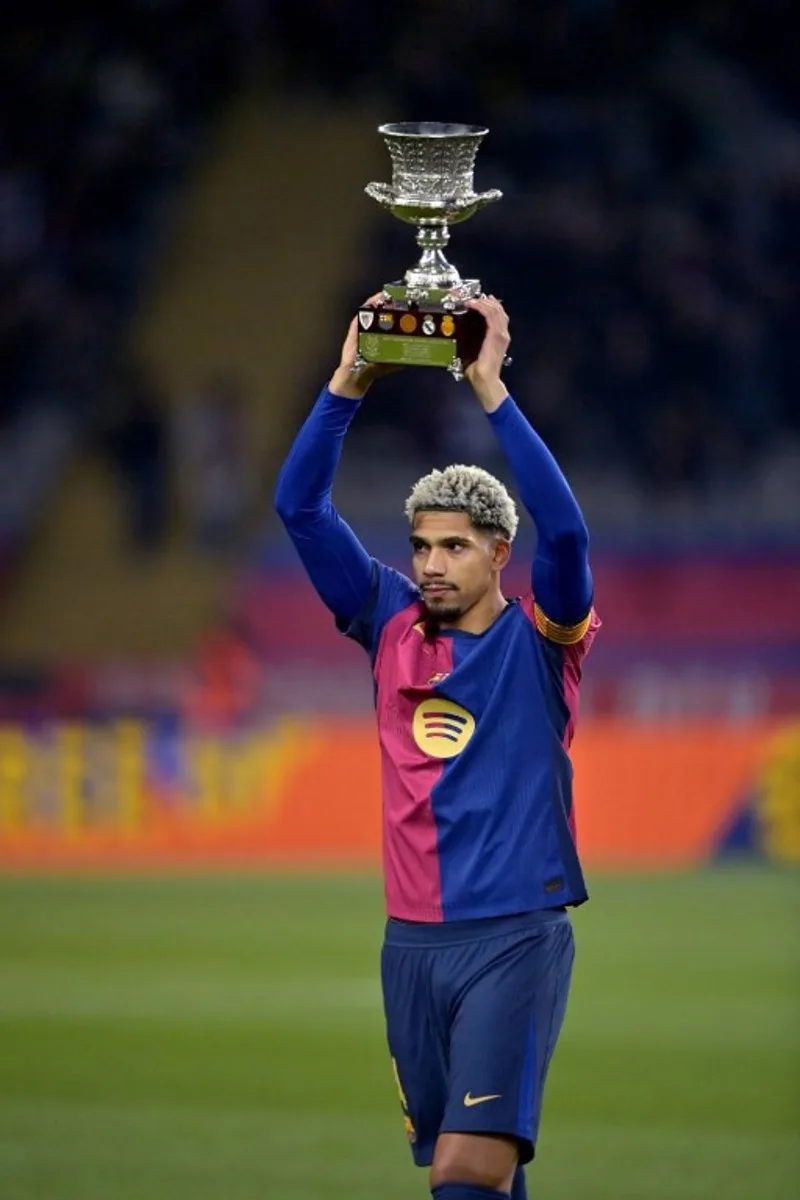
{"points": [[506, 1024], [417, 1045]]}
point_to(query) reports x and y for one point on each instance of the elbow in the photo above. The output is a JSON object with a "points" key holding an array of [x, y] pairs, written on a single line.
{"points": [[297, 511], [284, 503], [288, 503], [572, 539]]}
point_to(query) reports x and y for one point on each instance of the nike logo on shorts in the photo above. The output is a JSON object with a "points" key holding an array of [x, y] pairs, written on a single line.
{"points": [[470, 1101]]}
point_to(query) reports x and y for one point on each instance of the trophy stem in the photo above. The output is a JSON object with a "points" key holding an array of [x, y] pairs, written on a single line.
{"points": [[429, 236], [433, 270]]}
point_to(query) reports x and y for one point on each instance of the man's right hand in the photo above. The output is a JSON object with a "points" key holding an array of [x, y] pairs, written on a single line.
{"points": [[347, 380]]}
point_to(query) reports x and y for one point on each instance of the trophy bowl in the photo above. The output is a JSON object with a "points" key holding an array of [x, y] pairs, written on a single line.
{"points": [[424, 320], [421, 212], [433, 167]]}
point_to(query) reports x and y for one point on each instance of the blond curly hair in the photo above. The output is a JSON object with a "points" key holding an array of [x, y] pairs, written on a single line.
{"points": [[466, 489]]}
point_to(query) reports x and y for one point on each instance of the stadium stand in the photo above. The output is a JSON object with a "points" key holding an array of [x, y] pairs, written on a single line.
{"points": [[197, 207], [646, 248]]}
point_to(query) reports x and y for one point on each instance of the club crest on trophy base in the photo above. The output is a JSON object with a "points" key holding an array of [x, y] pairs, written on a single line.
{"points": [[424, 320]]}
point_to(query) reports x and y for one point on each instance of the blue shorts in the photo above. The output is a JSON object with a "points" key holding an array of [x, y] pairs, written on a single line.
{"points": [[473, 1013]]}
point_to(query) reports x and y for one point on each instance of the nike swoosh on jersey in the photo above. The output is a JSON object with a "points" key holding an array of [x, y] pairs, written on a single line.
{"points": [[470, 1101]]}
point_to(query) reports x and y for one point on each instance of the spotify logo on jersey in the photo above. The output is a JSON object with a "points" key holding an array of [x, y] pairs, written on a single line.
{"points": [[441, 728]]}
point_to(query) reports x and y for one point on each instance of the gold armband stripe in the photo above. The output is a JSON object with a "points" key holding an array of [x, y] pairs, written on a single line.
{"points": [[565, 635]]}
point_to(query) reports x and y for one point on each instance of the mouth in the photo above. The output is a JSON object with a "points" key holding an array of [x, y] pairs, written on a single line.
{"points": [[437, 589]]}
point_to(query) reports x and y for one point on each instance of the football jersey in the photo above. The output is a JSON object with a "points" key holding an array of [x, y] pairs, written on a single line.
{"points": [[474, 733]]}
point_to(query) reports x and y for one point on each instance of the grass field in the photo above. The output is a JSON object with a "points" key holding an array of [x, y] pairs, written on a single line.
{"points": [[221, 1039]]}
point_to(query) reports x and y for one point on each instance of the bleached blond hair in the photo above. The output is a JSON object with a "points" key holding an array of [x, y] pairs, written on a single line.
{"points": [[466, 489]]}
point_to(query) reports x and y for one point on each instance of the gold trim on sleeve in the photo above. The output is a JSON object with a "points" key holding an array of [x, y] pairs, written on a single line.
{"points": [[565, 635]]}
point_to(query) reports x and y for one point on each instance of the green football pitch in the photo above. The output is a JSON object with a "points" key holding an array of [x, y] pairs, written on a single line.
{"points": [[220, 1038]]}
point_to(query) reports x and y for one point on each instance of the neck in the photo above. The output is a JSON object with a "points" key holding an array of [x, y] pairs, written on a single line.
{"points": [[482, 615]]}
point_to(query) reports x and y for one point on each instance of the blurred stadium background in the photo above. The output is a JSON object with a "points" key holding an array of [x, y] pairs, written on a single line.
{"points": [[190, 907]]}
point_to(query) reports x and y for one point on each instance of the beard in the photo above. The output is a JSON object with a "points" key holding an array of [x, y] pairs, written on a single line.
{"points": [[440, 613]]}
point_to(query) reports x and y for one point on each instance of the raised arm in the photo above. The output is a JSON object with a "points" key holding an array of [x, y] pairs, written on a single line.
{"points": [[561, 576], [337, 564]]}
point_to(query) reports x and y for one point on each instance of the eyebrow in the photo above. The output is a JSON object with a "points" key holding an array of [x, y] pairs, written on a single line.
{"points": [[459, 538]]}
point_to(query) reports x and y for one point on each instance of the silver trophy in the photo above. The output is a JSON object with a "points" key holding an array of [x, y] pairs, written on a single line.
{"points": [[423, 320]]}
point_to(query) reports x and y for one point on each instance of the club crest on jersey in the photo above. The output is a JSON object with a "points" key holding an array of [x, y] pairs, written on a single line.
{"points": [[441, 728]]}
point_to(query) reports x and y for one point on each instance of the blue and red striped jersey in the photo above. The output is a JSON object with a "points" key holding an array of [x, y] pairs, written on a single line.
{"points": [[474, 729], [474, 734]]}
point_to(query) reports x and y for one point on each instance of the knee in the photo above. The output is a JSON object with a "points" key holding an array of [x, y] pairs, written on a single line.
{"points": [[477, 1162], [468, 1175]]}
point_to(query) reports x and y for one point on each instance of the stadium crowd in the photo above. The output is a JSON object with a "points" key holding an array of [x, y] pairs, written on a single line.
{"points": [[101, 112], [647, 245]]}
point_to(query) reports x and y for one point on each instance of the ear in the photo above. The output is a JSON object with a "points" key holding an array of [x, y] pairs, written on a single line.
{"points": [[501, 554]]}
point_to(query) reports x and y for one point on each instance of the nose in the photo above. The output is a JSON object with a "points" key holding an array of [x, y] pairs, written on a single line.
{"points": [[435, 563]]}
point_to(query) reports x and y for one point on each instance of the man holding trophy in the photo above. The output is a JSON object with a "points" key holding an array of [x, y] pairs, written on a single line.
{"points": [[476, 701]]}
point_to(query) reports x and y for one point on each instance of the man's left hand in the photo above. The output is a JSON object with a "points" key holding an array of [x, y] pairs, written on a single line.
{"points": [[484, 373]]}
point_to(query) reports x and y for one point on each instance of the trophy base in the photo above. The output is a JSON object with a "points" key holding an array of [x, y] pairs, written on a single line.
{"points": [[437, 332]]}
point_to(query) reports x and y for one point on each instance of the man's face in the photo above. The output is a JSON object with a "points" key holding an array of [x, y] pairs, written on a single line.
{"points": [[454, 563]]}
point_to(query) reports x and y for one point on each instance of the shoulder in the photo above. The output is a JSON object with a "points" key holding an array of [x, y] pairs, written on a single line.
{"points": [[391, 593], [394, 592]]}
